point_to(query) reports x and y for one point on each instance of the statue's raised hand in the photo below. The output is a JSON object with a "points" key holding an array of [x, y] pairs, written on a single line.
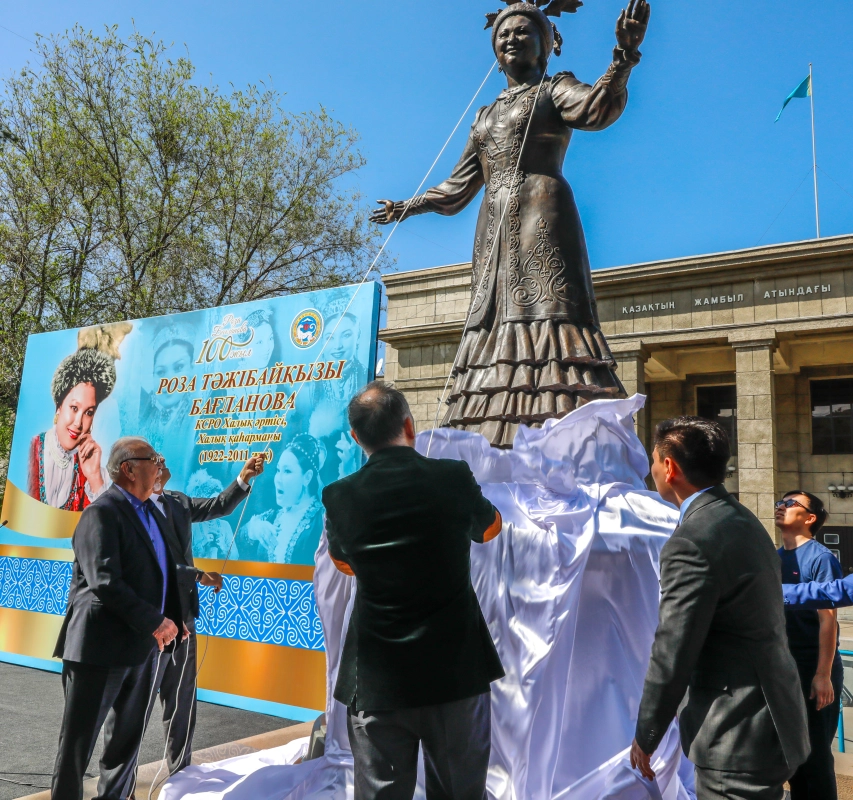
{"points": [[388, 213], [632, 24]]}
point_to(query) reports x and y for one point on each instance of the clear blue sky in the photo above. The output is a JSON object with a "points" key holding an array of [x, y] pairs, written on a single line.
{"points": [[695, 164]]}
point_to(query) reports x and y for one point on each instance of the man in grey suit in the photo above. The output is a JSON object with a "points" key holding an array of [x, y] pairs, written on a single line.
{"points": [[721, 633], [123, 605], [178, 683]]}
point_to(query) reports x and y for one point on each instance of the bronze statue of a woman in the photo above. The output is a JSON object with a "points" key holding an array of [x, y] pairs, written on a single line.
{"points": [[532, 348]]}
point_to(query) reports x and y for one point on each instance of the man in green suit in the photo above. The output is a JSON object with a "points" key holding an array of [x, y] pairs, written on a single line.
{"points": [[721, 633], [418, 658]]}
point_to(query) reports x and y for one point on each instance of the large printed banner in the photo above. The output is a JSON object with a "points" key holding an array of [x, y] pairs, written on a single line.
{"points": [[207, 389]]}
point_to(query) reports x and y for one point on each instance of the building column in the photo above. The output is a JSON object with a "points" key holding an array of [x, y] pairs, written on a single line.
{"points": [[756, 423], [631, 358]]}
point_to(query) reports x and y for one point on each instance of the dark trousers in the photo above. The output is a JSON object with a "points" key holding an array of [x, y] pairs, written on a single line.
{"points": [[456, 740], [714, 784], [90, 693], [815, 779], [178, 701]]}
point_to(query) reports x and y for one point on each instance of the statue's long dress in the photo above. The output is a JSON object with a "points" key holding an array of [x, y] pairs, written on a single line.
{"points": [[533, 348]]}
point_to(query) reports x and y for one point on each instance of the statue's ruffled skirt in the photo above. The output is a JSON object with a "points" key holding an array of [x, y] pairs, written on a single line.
{"points": [[522, 373]]}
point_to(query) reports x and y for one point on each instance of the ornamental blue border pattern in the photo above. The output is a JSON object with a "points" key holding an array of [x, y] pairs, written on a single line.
{"points": [[264, 610], [268, 610], [34, 584]]}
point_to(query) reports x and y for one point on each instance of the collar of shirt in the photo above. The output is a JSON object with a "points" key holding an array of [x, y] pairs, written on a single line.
{"points": [[137, 504], [158, 501], [686, 504]]}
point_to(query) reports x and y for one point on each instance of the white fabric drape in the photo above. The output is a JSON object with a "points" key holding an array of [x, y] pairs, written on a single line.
{"points": [[570, 592]]}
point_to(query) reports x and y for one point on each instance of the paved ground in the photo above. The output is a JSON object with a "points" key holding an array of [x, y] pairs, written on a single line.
{"points": [[31, 712]]}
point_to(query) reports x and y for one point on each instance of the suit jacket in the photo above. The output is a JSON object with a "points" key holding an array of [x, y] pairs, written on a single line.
{"points": [[721, 638], [181, 513], [116, 587], [416, 637]]}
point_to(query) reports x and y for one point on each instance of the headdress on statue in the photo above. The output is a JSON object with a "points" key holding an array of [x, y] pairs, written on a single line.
{"points": [[538, 12]]}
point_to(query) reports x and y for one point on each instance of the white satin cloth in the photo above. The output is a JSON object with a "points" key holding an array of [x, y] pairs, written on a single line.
{"points": [[570, 592]]}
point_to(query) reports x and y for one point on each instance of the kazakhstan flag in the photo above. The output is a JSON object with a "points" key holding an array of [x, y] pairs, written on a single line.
{"points": [[803, 90]]}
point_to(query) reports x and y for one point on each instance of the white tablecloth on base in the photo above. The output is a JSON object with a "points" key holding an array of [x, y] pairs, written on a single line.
{"points": [[570, 592]]}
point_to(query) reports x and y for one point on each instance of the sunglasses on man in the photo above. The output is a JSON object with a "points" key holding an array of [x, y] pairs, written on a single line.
{"points": [[789, 502]]}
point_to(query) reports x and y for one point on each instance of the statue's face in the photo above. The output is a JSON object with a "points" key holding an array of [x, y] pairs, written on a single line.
{"points": [[518, 43]]}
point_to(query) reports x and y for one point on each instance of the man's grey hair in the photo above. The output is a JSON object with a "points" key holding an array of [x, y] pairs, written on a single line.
{"points": [[123, 448]]}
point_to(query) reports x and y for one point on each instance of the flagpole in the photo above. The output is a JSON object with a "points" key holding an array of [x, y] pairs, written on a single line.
{"points": [[814, 155]]}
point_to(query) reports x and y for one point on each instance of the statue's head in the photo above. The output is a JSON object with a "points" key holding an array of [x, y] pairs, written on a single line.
{"points": [[522, 34], [539, 32]]}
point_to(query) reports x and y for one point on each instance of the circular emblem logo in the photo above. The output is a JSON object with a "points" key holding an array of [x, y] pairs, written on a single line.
{"points": [[307, 328]]}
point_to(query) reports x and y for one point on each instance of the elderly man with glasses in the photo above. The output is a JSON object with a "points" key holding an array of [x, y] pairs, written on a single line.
{"points": [[812, 639], [123, 616]]}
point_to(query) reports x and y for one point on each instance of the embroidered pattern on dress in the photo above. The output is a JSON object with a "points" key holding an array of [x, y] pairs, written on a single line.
{"points": [[513, 218], [481, 269], [543, 275], [511, 178], [305, 522], [71, 502]]}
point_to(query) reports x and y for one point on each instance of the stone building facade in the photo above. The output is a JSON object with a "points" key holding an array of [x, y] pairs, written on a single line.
{"points": [[761, 339]]}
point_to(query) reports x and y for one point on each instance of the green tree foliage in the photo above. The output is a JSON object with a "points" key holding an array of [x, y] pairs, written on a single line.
{"points": [[129, 190]]}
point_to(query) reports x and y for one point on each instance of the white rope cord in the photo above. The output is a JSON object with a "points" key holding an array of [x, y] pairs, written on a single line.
{"points": [[151, 694], [363, 281], [487, 261], [154, 783], [192, 721], [341, 318]]}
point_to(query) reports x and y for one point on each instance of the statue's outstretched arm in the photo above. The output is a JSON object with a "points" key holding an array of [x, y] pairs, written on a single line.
{"points": [[592, 108], [448, 198]]}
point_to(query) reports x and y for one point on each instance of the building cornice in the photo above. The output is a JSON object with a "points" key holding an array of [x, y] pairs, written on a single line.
{"points": [[419, 279], [432, 333], [791, 326], [735, 266]]}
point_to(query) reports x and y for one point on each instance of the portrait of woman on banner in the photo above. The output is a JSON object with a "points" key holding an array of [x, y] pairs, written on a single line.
{"points": [[65, 461], [164, 417], [291, 534], [263, 344], [211, 539], [329, 399]]}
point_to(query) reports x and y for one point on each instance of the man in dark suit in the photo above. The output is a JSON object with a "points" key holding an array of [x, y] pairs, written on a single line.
{"points": [[721, 634], [178, 682], [123, 610], [418, 658]]}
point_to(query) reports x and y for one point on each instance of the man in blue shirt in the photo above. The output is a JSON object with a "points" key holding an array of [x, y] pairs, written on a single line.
{"points": [[812, 638]]}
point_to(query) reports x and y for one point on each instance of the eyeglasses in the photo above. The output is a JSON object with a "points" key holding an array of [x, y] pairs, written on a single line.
{"points": [[789, 502], [156, 458]]}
